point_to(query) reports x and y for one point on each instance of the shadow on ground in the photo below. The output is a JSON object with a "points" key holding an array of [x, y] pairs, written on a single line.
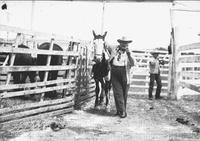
{"points": [[101, 112]]}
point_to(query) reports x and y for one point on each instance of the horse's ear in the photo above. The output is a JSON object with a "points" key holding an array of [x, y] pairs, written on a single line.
{"points": [[105, 33], [94, 34]]}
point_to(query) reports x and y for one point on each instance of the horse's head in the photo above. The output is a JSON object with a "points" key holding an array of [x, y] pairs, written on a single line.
{"points": [[98, 41]]}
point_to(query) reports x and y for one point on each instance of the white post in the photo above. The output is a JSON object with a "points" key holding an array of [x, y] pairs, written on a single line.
{"points": [[32, 13], [102, 18], [172, 70]]}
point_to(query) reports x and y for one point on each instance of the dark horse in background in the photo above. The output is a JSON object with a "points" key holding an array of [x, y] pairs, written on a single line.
{"points": [[21, 59], [24, 60], [101, 71], [28, 60], [55, 60]]}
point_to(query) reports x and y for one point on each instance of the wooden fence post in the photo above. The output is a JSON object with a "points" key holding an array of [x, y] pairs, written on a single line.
{"points": [[77, 58], [78, 78], [86, 69], [12, 59], [174, 79], [34, 54], [77, 68], [48, 64]]}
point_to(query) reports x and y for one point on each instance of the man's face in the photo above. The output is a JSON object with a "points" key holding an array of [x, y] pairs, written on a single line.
{"points": [[123, 46], [155, 55]]}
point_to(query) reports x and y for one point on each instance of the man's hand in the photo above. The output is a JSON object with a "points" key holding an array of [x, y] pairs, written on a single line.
{"points": [[128, 51], [129, 57], [105, 45], [162, 62]]}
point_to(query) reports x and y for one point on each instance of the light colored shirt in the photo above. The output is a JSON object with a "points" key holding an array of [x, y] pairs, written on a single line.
{"points": [[120, 59], [154, 66], [123, 61]]}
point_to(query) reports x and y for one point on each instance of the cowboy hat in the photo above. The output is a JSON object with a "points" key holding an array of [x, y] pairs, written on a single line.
{"points": [[124, 40]]}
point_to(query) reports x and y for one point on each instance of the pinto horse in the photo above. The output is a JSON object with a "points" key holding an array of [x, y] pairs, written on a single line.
{"points": [[101, 71]]}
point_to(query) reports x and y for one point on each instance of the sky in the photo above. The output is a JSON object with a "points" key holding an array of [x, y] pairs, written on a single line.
{"points": [[147, 24]]}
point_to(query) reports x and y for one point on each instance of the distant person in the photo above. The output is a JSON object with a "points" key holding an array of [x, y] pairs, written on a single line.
{"points": [[154, 66], [121, 62]]}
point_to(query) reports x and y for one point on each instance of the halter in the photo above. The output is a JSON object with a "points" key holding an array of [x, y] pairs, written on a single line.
{"points": [[99, 41]]}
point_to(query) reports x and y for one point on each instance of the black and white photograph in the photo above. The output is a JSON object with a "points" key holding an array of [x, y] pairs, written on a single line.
{"points": [[99, 70]]}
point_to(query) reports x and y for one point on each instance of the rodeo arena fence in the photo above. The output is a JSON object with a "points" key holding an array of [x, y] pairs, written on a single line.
{"points": [[73, 87]]}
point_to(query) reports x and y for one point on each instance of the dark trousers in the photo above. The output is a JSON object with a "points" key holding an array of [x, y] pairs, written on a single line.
{"points": [[120, 87], [154, 77]]}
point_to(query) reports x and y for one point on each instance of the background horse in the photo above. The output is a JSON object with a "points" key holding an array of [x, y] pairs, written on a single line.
{"points": [[21, 59], [24, 60], [55, 60], [101, 70]]}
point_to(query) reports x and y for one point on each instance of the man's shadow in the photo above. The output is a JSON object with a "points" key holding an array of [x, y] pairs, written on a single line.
{"points": [[101, 112]]}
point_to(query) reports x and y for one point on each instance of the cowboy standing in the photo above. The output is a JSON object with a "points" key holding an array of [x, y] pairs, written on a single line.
{"points": [[121, 62], [154, 66]]}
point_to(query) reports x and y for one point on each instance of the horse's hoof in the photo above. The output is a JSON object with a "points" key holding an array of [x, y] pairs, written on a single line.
{"points": [[108, 109], [96, 107], [102, 105]]}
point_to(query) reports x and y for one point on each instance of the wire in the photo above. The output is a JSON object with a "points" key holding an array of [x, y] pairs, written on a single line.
{"points": [[176, 2], [189, 8], [186, 10], [103, 14]]}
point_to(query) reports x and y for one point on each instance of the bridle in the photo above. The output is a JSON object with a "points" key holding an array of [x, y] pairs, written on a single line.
{"points": [[99, 42]]}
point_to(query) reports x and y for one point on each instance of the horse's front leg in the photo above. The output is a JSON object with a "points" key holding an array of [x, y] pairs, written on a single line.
{"points": [[102, 91], [107, 88], [96, 93], [107, 91]]}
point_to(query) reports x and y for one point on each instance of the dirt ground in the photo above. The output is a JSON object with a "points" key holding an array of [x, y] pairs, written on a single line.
{"points": [[157, 120]]}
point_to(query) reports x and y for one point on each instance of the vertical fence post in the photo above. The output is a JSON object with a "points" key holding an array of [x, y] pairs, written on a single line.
{"points": [[147, 76], [79, 78], [172, 70], [48, 64], [12, 59], [66, 71], [34, 54], [87, 71], [77, 49], [174, 83], [77, 58]]}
